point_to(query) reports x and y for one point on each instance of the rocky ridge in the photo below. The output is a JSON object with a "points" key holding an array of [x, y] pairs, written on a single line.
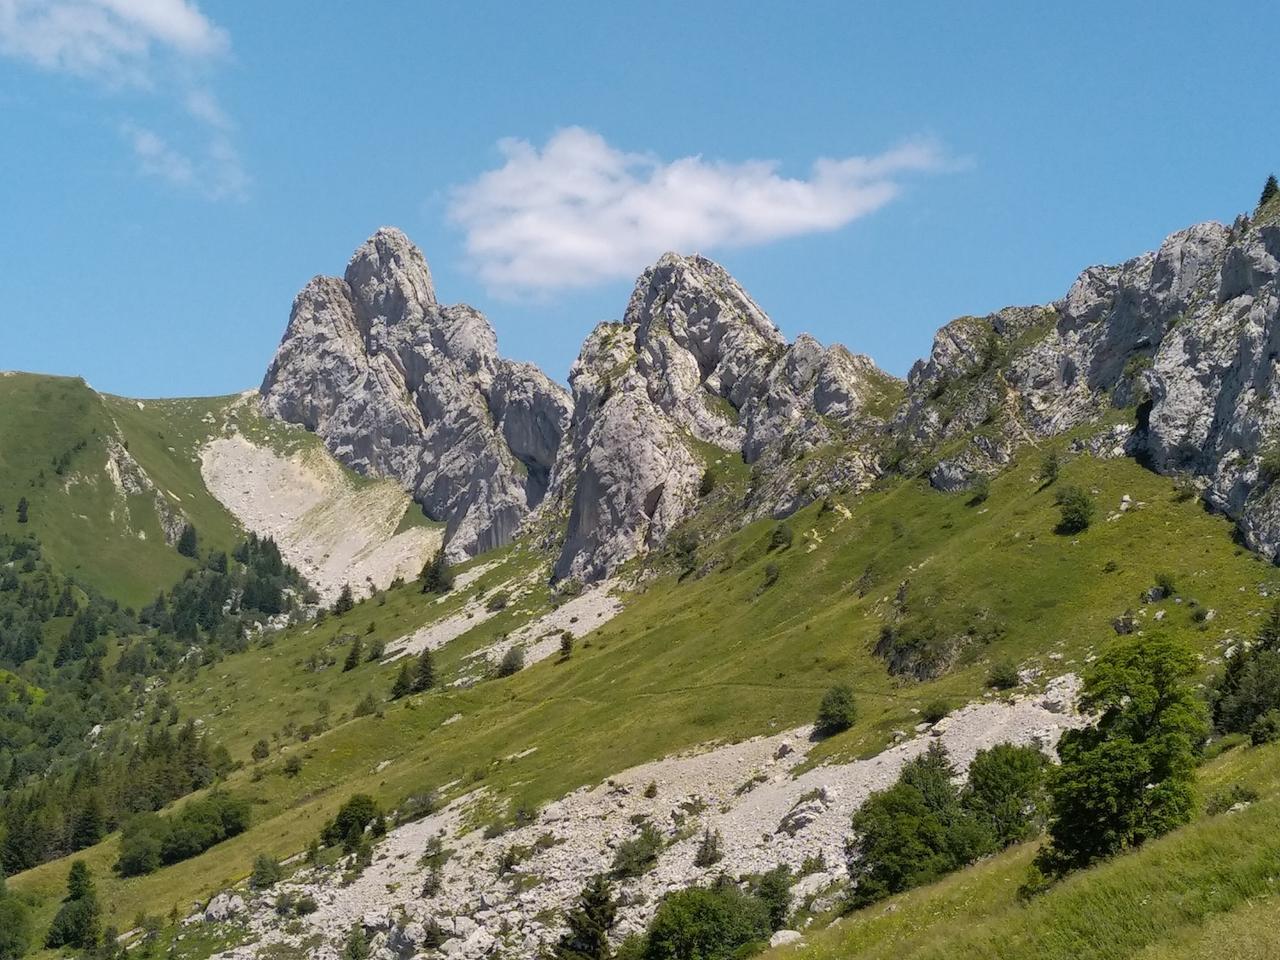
{"points": [[1185, 336], [398, 385]]}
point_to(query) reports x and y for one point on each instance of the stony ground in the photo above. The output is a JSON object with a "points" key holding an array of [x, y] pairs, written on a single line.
{"points": [[333, 530], [769, 807]]}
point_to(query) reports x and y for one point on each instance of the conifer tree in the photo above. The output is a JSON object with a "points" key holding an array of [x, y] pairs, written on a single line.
{"points": [[425, 676], [345, 600], [404, 683], [589, 924], [1269, 190], [23, 507], [353, 655], [436, 576]]}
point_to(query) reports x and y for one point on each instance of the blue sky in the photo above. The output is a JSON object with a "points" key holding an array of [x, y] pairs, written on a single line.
{"points": [[172, 173]]}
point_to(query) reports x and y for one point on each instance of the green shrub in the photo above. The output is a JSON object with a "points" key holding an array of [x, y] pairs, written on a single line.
{"points": [[1075, 508], [1003, 675], [781, 537], [914, 832], [771, 574], [1165, 583], [15, 927], [1266, 729], [773, 889], [512, 661], [635, 857], [935, 710], [1049, 468], [292, 765], [498, 601], [837, 711], [710, 849], [707, 923], [149, 841], [1224, 800], [360, 812], [979, 490], [266, 872], [1006, 791]]}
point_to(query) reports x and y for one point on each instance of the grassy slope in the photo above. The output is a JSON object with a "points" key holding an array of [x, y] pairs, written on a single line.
{"points": [[86, 526], [1208, 889], [704, 659]]}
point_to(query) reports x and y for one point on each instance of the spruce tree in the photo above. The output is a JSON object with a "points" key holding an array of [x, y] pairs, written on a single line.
{"points": [[353, 655], [425, 676], [23, 506], [436, 576], [89, 825], [77, 923], [589, 924], [188, 543], [404, 683], [345, 600], [1269, 190]]}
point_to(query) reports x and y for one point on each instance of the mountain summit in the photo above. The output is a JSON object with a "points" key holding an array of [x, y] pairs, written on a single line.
{"points": [[398, 385]]}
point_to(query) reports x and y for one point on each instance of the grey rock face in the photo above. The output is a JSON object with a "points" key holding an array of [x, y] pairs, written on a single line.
{"points": [[694, 364], [398, 385], [1188, 335]]}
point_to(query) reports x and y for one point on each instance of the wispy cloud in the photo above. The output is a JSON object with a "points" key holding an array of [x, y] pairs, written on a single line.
{"points": [[578, 210], [154, 46], [112, 40]]}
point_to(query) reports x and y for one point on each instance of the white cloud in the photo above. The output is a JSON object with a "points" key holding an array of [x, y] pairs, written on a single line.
{"points": [[579, 211], [112, 40], [216, 173], [156, 46]]}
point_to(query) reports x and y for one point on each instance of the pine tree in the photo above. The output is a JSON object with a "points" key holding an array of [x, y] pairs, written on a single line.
{"points": [[436, 576], [89, 825], [353, 655], [22, 510], [589, 924], [425, 677], [188, 542], [1269, 190], [77, 921], [404, 683], [345, 600], [356, 947]]}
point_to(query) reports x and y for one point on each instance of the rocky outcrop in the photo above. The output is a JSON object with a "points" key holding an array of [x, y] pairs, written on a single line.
{"points": [[1187, 336], [398, 385], [696, 366]]}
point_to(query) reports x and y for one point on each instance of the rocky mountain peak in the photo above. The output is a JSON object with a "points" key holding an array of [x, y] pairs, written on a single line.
{"points": [[398, 385], [696, 360]]}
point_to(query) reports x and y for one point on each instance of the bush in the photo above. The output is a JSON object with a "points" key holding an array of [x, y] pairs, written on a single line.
{"points": [[566, 645], [1075, 508], [512, 661], [1165, 583], [914, 832], [261, 750], [979, 490], [1049, 468], [1003, 675], [708, 482], [836, 712], [498, 601], [15, 927], [292, 765], [149, 841], [635, 857], [353, 817], [709, 924], [773, 889], [771, 573], [367, 705], [1224, 800], [935, 710], [710, 850], [1266, 729], [781, 537], [266, 872], [1006, 792], [1129, 778]]}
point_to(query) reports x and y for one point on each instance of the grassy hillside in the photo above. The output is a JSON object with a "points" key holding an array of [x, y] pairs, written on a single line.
{"points": [[56, 441], [722, 657], [1208, 889]]}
